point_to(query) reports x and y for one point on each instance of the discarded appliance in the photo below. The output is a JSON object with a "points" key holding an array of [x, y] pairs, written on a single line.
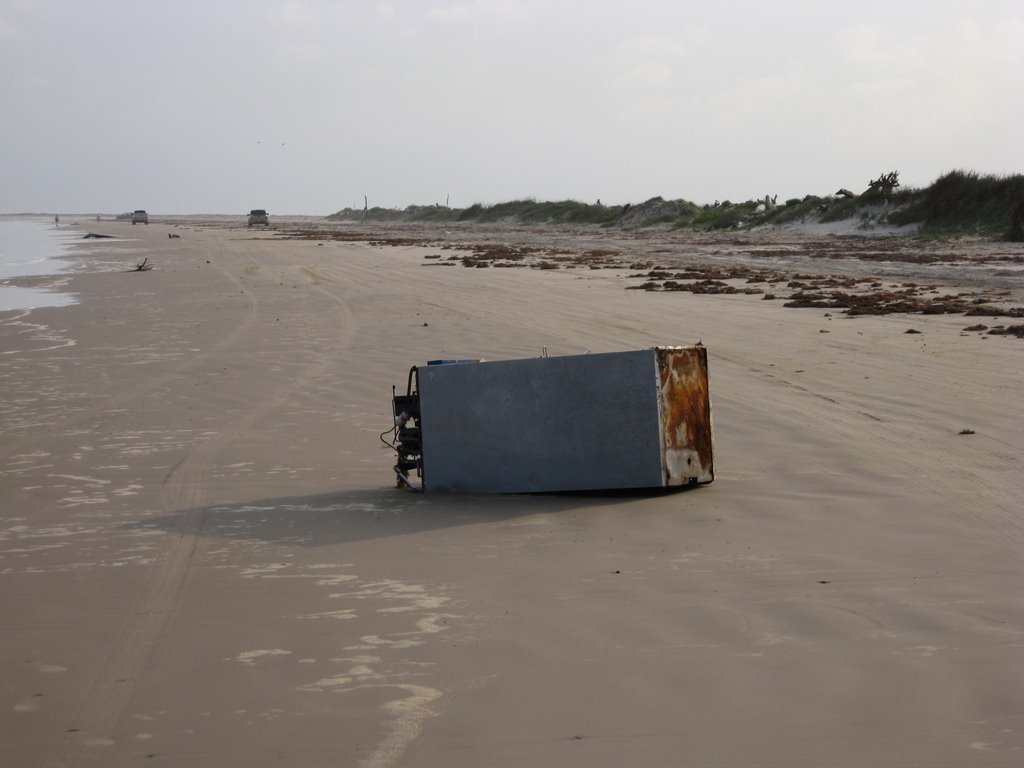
{"points": [[617, 420]]}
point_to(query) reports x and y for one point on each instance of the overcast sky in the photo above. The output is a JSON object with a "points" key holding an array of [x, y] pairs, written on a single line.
{"points": [[304, 107]]}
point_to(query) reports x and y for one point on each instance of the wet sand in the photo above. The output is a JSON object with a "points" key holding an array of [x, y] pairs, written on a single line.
{"points": [[203, 559]]}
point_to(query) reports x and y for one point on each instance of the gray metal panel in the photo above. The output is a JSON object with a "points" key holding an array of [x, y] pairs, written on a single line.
{"points": [[580, 422]]}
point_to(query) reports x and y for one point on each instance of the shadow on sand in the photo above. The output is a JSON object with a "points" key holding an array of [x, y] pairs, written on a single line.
{"points": [[370, 514]]}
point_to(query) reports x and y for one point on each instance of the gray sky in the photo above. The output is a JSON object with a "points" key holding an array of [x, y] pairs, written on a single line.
{"points": [[303, 107]]}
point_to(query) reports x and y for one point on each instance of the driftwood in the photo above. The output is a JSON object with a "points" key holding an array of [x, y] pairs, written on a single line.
{"points": [[143, 266], [93, 234], [884, 184]]}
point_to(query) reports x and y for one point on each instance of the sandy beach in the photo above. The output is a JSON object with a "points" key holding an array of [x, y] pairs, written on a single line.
{"points": [[204, 560]]}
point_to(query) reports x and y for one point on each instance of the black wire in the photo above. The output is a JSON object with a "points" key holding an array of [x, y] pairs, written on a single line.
{"points": [[390, 445]]}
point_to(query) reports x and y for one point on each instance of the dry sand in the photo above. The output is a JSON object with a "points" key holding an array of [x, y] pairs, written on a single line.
{"points": [[203, 560]]}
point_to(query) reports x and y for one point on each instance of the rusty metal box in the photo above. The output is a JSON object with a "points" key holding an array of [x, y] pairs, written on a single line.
{"points": [[618, 420]]}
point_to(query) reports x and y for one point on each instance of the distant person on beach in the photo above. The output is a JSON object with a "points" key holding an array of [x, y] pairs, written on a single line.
{"points": [[56, 220]]}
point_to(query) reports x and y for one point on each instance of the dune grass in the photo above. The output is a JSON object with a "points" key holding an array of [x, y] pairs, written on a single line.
{"points": [[965, 202], [958, 203]]}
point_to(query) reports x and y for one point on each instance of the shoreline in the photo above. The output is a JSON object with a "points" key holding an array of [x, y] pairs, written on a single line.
{"points": [[34, 264]]}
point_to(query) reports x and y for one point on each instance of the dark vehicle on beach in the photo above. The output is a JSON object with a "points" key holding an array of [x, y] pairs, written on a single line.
{"points": [[259, 216], [140, 217]]}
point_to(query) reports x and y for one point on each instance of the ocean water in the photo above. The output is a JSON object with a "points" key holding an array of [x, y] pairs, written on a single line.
{"points": [[32, 247]]}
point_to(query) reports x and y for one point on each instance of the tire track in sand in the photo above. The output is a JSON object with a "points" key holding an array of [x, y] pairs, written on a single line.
{"points": [[183, 491]]}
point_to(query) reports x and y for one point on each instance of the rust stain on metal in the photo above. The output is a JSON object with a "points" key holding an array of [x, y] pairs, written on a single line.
{"points": [[686, 413]]}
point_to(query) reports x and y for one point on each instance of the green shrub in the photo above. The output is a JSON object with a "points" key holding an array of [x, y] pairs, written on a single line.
{"points": [[724, 215], [794, 210], [966, 202]]}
